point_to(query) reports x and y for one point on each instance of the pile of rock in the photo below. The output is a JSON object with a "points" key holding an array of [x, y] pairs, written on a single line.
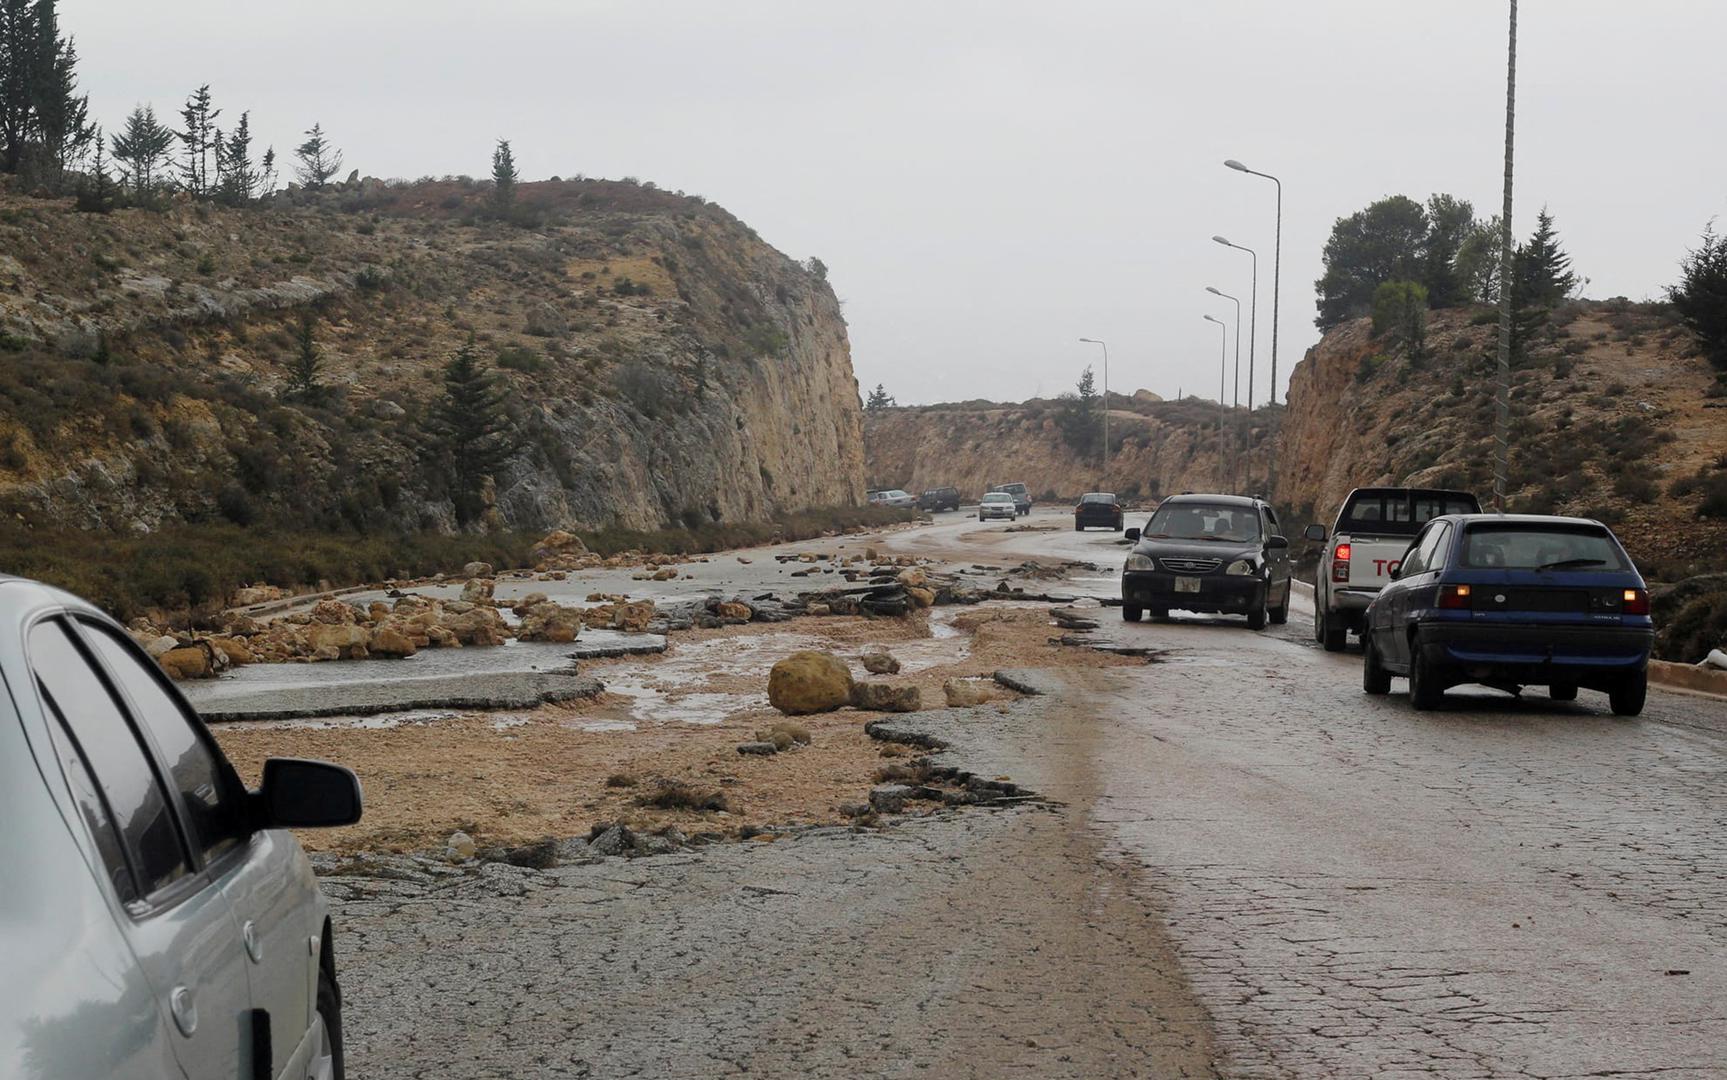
{"points": [[815, 682]]}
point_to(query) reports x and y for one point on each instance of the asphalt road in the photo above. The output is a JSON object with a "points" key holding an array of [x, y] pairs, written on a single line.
{"points": [[1250, 868]]}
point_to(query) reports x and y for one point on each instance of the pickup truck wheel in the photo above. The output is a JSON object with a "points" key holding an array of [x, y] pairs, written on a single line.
{"points": [[1627, 697], [1375, 679], [1562, 692], [1424, 688], [1332, 633], [1131, 614]]}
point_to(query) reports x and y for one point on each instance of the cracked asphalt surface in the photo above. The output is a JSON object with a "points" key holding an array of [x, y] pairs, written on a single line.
{"points": [[1248, 869]]}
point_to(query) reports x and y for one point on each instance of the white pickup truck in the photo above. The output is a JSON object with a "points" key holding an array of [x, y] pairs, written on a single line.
{"points": [[1372, 532]]}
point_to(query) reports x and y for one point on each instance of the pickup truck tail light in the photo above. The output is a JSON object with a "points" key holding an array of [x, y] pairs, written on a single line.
{"points": [[1454, 596], [1340, 563], [1635, 602]]}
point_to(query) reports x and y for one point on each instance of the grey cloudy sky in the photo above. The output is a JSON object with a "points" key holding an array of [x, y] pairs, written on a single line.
{"points": [[989, 181]]}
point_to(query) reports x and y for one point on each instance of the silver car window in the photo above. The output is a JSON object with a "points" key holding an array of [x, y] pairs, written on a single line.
{"points": [[208, 790], [81, 700]]}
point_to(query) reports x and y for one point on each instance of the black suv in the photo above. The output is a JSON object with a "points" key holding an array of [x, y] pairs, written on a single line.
{"points": [[1213, 554], [941, 498]]}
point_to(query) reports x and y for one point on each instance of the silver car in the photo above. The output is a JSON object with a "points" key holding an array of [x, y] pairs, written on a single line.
{"points": [[156, 919], [997, 504]]}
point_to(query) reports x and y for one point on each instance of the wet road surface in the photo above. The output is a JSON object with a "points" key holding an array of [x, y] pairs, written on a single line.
{"points": [[1251, 867]]}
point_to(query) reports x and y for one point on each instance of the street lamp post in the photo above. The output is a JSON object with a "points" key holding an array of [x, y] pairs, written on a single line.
{"points": [[1276, 265], [1094, 341], [1213, 290], [1252, 340], [1222, 371]]}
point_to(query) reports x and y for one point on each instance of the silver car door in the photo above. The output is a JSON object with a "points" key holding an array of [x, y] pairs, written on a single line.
{"points": [[179, 923]]}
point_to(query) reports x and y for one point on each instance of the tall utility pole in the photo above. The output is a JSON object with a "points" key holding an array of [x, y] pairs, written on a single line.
{"points": [[1276, 266], [1094, 341], [1502, 414], [1222, 373]]}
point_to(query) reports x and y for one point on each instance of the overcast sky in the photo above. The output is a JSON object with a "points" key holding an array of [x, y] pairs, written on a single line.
{"points": [[989, 181]]}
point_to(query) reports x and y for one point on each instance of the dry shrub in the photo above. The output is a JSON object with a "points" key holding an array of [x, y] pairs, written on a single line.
{"points": [[678, 795]]}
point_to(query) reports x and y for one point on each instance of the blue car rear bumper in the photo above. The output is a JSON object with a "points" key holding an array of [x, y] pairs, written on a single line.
{"points": [[1530, 651]]}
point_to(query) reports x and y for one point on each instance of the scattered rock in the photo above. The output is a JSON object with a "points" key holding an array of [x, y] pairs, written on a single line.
{"points": [[388, 641], [885, 697], [889, 798], [256, 594], [880, 663], [460, 846], [188, 662], [963, 693], [809, 682], [614, 840], [478, 570], [544, 320], [734, 611], [542, 854], [759, 749], [920, 597], [478, 590]]}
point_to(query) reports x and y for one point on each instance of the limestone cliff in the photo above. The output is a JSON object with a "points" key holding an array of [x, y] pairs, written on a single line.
{"points": [[659, 362]]}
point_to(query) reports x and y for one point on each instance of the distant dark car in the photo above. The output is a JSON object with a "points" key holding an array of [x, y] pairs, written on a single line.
{"points": [[938, 499], [1021, 496], [1211, 554], [1509, 601], [1097, 508]]}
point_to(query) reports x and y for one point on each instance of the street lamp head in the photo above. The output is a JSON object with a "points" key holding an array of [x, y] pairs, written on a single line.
{"points": [[1212, 289], [1091, 341], [1237, 166], [1222, 240], [1211, 318]]}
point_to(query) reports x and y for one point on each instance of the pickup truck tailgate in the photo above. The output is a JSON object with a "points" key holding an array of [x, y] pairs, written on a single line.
{"points": [[1371, 560]]}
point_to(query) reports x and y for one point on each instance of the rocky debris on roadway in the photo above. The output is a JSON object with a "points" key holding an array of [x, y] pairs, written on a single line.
{"points": [[965, 693], [885, 697], [780, 736], [1072, 619], [879, 662], [809, 682]]}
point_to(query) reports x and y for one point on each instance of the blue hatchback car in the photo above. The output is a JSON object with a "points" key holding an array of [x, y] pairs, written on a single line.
{"points": [[1510, 601]]}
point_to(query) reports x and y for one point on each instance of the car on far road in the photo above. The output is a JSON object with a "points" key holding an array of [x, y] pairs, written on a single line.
{"points": [[939, 499], [1021, 496], [1369, 537], [1209, 554], [159, 919], [997, 504], [1509, 601], [1097, 508], [892, 497]]}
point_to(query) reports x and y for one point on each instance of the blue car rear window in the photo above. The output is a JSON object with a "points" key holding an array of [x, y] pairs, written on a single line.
{"points": [[1513, 546]]}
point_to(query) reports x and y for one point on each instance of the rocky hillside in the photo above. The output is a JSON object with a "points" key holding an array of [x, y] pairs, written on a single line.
{"points": [[1160, 447], [1613, 417], [662, 365]]}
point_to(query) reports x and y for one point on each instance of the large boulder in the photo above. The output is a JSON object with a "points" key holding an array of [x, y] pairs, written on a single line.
{"points": [[188, 662], [547, 621], [477, 569], [476, 626], [390, 641], [478, 590], [634, 616], [256, 594], [809, 682], [879, 663], [544, 320], [964, 693], [346, 640], [558, 542], [334, 612]]}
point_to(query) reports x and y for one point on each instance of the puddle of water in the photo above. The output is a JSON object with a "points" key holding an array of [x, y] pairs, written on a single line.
{"points": [[600, 726]]}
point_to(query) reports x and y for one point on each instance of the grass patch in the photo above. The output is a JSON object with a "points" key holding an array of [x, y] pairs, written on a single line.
{"points": [[677, 795]]}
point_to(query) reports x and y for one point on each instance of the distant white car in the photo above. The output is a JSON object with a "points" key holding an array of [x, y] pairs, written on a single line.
{"points": [[893, 497], [997, 504]]}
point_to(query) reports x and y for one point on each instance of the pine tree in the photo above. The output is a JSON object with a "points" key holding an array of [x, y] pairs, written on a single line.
{"points": [[503, 175], [1541, 279], [319, 160], [303, 371], [96, 192], [1701, 296], [267, 173], [18, 71], [142, 149], [200, 140], [239, 183], [473, 433], [879, 398]]}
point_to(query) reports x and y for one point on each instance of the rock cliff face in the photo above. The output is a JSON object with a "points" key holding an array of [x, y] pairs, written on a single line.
{"points": [[1163, 447], [1612, 417], [660, 363]]}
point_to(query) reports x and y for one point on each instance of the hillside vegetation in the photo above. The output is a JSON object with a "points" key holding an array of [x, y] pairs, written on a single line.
{"points": [[658, 364]]}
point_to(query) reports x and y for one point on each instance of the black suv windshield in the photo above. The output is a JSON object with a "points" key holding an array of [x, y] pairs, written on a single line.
{"points": [[1203, 521], [1539, 547]]}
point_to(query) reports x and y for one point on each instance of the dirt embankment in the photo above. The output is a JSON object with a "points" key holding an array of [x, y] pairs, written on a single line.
{"points": [[660, 363]]}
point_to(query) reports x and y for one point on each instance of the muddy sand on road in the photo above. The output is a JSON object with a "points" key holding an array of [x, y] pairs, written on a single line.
{"points": [[515, 776]]}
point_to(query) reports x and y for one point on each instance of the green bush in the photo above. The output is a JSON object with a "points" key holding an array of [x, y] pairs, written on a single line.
{"points": [[518, 358]]}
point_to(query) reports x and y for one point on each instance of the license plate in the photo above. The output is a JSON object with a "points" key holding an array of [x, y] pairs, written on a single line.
{"points": [[1187, 584]]}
